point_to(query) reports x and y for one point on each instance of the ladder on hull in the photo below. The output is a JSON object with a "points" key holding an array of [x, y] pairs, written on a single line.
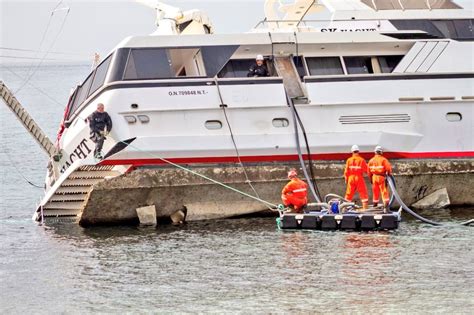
{"points": [[71, 197]]}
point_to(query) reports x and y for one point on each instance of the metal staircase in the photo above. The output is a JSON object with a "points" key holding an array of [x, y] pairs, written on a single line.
{"points": [[28, 122], [71, 197]]}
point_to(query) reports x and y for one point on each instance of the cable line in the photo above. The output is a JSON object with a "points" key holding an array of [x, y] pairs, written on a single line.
{"points": [[51, 52], [18, 171], [224, 106], [28, 78], [36, 88], [202, 176]]}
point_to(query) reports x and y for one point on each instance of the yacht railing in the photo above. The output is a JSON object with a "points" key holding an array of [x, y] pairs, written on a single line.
{"points": [[414, 4], [304, 23]]}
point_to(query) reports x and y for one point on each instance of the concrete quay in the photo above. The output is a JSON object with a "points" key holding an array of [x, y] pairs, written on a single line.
{"points": [[170, 190]]}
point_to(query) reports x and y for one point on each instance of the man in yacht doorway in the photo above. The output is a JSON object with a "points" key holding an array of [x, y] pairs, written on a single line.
{"points": [[258, 69], [100, 125]]}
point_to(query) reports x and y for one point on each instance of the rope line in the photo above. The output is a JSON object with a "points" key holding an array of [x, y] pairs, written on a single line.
{"points": [[51, 52], [18, 171], [28, 78], [224, 106], [36, 88], [202, 176]]}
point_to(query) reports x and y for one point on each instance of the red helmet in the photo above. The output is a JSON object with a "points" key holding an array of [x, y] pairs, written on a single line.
{"points": [[292, 173]]}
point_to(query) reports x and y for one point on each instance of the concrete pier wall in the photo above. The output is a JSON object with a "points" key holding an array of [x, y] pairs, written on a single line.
{"points": [[170, 189]]}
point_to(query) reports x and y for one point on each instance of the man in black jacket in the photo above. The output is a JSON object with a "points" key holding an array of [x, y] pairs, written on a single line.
{"points": [[258, 69], [100, 125]]}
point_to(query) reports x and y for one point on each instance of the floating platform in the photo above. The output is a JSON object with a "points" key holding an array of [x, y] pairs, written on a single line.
{"points": [[326, 221]]}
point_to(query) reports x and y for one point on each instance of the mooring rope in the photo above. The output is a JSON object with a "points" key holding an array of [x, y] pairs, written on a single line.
{"points": [[202, 176], [224, 106]]}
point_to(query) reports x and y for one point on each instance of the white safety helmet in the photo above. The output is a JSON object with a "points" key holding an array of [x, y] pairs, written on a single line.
{"points": [[355, 148], [259, 57], [378, 149]]}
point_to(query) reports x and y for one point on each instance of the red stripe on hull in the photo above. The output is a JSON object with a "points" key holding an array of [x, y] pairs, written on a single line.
{"points": [[277, 158]]}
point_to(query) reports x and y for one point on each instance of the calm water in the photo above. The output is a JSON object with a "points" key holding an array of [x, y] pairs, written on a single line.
{"points": [[232, 266]]}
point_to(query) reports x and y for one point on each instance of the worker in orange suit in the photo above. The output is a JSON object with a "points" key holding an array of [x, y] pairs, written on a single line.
{"points": [[354, 172], [295, 194], [379, 169]]}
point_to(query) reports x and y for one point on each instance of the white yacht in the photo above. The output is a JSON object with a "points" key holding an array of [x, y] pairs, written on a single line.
{"points": [[395, 73]]}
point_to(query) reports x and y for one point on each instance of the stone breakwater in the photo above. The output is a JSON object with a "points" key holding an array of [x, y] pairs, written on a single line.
{"points": [[169, 189]]}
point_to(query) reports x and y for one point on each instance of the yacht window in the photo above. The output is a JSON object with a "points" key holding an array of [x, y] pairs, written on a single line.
{"points": [[100, 74], [454, 117], [358, 65], [117, 67], [417, 25], [147, 64], [446, 28], [216, 57], [236, 68], [455, 29], [213, 124], [299, 64], [81, 93], [280, 122], [324, 65], [186, 62], [410, 4], [388, 63], [464, 29]]}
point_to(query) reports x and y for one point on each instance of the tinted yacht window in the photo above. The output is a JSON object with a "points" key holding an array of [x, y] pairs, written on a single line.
{"points": [[299, 65], [464, 29], [358, 65], [81, 93], [446, 28], [417, 25], [236, 68], [147, 64], [100, 74], [324, 65], [455, 29], [388, 63]]}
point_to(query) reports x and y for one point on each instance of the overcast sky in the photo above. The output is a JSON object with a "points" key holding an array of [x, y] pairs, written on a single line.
{"points": [[97, 26]]}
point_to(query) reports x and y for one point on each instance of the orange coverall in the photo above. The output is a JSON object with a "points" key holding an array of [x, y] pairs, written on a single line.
{"points": [[295, 194], [379, 167], [354, 175]]}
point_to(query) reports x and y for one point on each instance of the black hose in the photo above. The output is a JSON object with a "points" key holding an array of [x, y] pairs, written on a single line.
{"points": [[298, 148], [391, 183], [308, 152], [392, 197]]}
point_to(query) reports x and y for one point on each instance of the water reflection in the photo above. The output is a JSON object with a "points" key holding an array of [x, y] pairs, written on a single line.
{"points": [[369, 261]]}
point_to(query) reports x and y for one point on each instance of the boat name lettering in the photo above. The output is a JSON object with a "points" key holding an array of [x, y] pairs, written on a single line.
{"points": [[187, 92], [335, 29], [80, 152]]}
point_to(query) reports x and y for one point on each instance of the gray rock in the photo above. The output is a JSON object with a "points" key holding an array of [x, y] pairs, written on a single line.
{"points": [[147, 215], [437, 200]]}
